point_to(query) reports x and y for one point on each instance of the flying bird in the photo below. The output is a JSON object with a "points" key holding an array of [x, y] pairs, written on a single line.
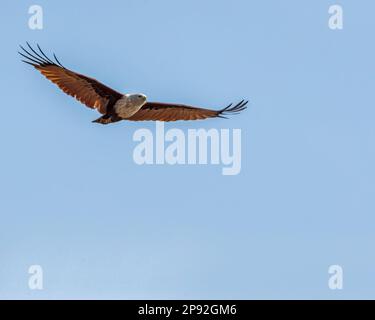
{"points": [[113, 105]]}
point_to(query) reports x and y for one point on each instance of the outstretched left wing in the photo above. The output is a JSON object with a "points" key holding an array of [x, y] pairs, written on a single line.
{"points": [[87, 90], [157, 111]]}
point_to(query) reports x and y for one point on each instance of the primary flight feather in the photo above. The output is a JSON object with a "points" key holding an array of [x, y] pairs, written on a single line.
{"points": [[113, 105]]}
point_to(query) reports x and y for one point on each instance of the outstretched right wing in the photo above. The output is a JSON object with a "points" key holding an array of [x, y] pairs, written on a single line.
{"points": [[158, 111]]}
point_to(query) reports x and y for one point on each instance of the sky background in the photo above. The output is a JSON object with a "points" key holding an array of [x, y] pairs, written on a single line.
{"points": [[73, 201]]}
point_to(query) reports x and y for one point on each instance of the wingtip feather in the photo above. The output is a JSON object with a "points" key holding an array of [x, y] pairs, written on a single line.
{"points": [[233, 110]]}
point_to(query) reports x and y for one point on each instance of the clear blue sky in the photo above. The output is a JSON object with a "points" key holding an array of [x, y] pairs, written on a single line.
{"points": [[74, 202]]}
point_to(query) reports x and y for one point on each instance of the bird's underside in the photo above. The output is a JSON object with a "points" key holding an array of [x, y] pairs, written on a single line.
{"points": [[115, 106]]}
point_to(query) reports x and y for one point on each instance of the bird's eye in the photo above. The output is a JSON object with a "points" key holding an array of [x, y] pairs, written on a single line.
{"points": [[139, 96]]}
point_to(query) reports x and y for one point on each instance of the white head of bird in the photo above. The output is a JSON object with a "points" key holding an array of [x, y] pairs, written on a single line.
{"points": [[138, 99], [129, 104]]}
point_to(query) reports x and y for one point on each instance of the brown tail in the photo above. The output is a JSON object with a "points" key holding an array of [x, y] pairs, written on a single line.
{"points": [[106, 119]]}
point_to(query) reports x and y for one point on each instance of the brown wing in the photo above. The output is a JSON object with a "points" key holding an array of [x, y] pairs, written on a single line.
{"points": [[157, 111], [87, 90]]}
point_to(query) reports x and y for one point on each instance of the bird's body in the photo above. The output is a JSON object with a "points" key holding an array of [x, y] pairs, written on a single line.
{"points": [[115, 106]]}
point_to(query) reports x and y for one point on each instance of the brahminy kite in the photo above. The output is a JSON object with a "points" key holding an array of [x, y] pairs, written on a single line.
{"points": [[113, 105]]}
